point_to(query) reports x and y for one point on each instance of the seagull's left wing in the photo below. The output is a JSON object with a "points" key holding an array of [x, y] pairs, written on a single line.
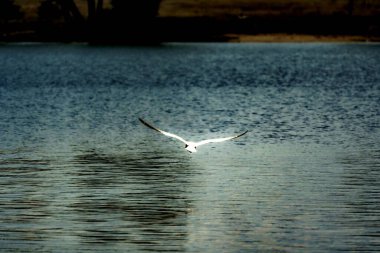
{"points": [[163, 132], [219, 139]]}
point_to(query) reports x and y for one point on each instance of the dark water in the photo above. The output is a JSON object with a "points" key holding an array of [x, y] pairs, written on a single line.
{"points": [[79, 173]]}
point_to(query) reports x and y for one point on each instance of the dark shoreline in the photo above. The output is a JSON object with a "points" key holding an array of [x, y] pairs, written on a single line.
{"points": [[201, 29]]}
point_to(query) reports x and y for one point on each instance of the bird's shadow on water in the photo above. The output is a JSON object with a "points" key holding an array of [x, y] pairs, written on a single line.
{"points": [[138, 198]]}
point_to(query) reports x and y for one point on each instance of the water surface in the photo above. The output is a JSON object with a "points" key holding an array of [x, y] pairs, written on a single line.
{"points": [[79, 173]]}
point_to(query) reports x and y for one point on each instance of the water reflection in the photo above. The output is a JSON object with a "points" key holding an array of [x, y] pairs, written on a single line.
{"points": [[358, 195], [138, 198], [23, 204]]}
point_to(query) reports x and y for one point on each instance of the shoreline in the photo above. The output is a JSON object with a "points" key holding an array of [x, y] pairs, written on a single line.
{"points": [[227, 38], [297, 38], [301, 29]]}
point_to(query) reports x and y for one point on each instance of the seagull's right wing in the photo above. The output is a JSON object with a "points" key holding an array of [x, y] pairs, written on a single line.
{"points": [[220, 139], [163, 132]]}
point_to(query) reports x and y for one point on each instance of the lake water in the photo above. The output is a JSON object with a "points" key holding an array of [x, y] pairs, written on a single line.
{"points": [[80, 173]]}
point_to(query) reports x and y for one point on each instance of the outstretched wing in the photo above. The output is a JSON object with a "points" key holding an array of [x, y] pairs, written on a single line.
{"points": [[163, 132], [219, 139]]}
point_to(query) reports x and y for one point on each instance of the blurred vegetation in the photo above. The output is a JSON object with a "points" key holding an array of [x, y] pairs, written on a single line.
{"points": [[9, 11], [160, 20], [131, 21], [269, 7], [135, 9]]}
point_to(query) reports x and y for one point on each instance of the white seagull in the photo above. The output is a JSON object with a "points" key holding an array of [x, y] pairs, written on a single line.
{"points": [[190, 145]]}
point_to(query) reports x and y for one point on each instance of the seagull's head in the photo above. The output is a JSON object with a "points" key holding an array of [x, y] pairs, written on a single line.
{"points": [[191, 147]]}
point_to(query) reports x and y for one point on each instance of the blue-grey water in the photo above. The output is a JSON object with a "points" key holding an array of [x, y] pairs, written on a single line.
{"points": [[80, 173]]}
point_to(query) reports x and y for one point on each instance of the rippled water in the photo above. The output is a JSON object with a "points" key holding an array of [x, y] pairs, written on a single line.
{"points": [[78, 172]]}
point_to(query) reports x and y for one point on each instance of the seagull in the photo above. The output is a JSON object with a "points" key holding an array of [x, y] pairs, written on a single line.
{"points": [[190, 145]]}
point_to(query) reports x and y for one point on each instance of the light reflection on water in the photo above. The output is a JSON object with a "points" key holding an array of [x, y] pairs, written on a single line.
{"points": [[78, 172], [139, 199]]}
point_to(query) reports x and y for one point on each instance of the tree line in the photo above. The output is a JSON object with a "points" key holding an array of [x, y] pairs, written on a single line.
{"points": [[123, 20], [67, 10], [62, 19]]}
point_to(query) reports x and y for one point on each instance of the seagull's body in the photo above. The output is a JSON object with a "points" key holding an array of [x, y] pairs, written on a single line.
{"points": [[190, 145]]}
